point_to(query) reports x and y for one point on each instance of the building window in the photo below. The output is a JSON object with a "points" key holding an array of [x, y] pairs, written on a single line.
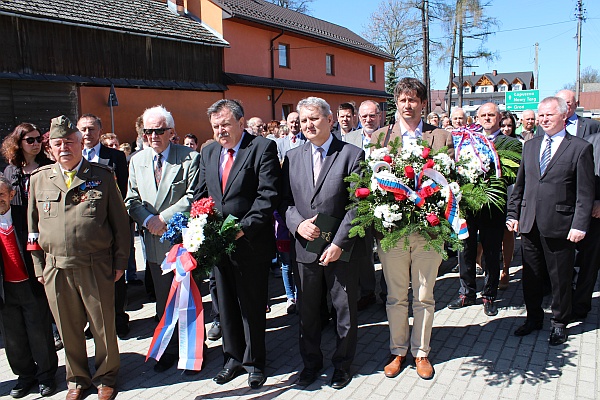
{"points": [[471, 103], [483, 89], [466, 90], [453, 104], [453, 90], [286, 109], [284, 55], [372, 73], [502, 88], [329, 64], [516, 86]]}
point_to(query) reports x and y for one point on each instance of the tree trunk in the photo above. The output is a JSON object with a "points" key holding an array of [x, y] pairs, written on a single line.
{"points": [[461, 62], [449, 105]]}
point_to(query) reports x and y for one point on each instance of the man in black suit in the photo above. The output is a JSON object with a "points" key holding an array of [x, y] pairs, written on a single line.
{"points": [[489, 223], [24, 312], [587, 260], [94, 151], [551, 206], [241, 172], [314, 183]]}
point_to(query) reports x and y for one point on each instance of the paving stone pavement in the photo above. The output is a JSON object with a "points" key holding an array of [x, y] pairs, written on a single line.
{"points": [[474, 356]]}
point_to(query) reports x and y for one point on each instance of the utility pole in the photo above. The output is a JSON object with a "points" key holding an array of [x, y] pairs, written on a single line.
{"points": [[536, 68], [425, 28], [580, 11]]}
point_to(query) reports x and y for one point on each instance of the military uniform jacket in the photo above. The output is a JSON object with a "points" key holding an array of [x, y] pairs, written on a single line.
{"points": [[77, 225]]}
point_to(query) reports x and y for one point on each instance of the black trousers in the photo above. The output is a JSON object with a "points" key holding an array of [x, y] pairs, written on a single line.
{"points": [[121, 317], [555, 257], [588, 261], [162, 287], [489, 222], [27, 330], [212, 288], [242, 287], [341, 280]]}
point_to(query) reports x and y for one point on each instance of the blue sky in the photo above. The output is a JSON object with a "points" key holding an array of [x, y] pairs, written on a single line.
{"points": [[551, 23]]}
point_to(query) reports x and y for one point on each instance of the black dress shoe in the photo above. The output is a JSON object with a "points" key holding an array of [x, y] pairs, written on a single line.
{"points": [[489, 307], [22, 389], [460, 302], [123, 331], [228, 374], [340, 379], [527, 328], [256, 379], [557, 336], [366, 301], [214, 333], [308, 376], [47, 389], [165, 362], [577, 317]]}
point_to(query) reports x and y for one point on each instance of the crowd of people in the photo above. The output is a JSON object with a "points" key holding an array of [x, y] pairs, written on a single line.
{"points": [[71, 202]]}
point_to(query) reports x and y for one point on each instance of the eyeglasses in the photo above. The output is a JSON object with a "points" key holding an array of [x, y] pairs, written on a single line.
{"points": [[31, 140], [156, 131], [370, 116]]}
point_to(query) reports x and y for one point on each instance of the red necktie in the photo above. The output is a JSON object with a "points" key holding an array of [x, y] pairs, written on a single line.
{"points": [[294, 139], [227, 169]]}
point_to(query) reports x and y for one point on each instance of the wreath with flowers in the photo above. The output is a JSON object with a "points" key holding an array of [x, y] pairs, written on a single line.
{"points": [[204, 233], [406, 190]]}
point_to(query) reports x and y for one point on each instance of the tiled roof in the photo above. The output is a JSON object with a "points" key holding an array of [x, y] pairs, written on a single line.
{"points": [[265, 13], [526, 77], [259, 81], [143, 17]]}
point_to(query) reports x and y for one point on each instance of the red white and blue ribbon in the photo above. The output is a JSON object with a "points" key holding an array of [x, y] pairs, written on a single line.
{"points": [[470, 136], [184, 305]]}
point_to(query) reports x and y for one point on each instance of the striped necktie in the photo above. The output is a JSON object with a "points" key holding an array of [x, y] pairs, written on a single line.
{"points": [[546, 156]]}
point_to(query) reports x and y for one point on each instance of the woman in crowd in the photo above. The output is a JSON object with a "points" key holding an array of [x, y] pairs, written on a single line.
{"points": [[110, 140], [433, 119], [507, 127], [23, 150], [273, 130]]}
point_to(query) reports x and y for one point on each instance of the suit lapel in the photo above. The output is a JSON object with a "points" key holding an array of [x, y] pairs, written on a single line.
{"points": [[170, 169], [334, 150], [240, 160], [581, 128], [102, 158], [307, 161], [566, 142]]}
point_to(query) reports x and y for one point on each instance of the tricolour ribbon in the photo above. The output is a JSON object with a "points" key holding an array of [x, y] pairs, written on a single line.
{"points": [[184, 305], [470, 136]]}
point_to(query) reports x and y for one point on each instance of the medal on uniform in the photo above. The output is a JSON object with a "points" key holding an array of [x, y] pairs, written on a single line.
{"points": [[46, 206], [76, 198]]}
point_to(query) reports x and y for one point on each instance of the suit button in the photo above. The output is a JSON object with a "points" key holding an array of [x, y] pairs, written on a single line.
{"points": [[223, 202]]}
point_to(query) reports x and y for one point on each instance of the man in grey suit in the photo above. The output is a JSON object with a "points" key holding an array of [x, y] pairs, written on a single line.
{"points": [[293, 139], [322, 164], [369, 114], [162, 179], [551, 206], [587, 260]]}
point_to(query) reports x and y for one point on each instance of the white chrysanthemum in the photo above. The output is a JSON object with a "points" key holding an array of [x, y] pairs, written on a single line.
{"points": [[378, 154]]}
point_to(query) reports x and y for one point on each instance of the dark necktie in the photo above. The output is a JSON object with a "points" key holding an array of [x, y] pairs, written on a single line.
{"points": [[546, 156], [317, 164], [158, 169], [294, 139], [91, 153], [227, 169]]}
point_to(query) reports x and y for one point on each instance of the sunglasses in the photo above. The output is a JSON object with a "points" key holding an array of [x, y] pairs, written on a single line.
{"points": [[156, 131], [31, 140]]}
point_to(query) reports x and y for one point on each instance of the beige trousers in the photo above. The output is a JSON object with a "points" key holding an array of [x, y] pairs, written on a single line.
{"points": [[398, 267], [73, 295]]}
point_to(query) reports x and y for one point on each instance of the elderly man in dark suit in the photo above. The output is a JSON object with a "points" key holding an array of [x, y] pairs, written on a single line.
{"points": [[162, 178], [24, 312], [551, 206], [94, 151], [587, 260], [487, 224], [241, 172], [314, 183]]}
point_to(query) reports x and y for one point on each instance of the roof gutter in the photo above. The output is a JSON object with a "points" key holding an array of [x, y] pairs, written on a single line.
{"points": [[55, 21]]}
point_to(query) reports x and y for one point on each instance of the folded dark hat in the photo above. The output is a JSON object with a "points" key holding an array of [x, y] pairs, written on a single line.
{"points": [[61, 127]]}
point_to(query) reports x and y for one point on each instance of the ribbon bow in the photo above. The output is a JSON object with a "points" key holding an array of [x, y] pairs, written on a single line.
{"points": [[184, 304], [471, 135]]}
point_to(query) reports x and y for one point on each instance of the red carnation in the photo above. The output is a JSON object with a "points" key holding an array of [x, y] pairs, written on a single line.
{"points": [[426, 192], [362, 193], [429, 164], [387, 159], [203, 206], [433, 219], [426, 151], [409, 172], [400, 196]]}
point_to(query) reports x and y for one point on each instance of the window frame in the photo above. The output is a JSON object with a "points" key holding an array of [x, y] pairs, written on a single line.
{"points": [[286, 52], [372, 73], [329, 64]]}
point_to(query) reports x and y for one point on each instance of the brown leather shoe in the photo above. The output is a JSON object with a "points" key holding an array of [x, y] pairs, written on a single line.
{"points": [[106, 393], [424, 368], [74, 394], [394, 366]]}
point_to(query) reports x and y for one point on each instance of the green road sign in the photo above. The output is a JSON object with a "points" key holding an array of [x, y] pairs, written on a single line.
{"points": [[520, 100]]}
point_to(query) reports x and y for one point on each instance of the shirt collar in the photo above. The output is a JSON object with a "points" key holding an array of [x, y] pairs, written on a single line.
{"points": [[62, 170], [6, 219], [325, 146], [560, 134], [418, 132], [165, 153], [235, 148], [492, 136], [572, 119], [96, 149]]}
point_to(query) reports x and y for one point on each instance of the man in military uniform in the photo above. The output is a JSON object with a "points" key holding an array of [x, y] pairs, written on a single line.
{"points": [[79, 237]]}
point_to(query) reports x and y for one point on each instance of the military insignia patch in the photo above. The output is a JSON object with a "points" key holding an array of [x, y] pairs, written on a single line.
{"points": [[90, 184], [46, 206], [94, 194]]}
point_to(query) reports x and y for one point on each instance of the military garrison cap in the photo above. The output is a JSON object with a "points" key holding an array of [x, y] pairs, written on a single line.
{"points": [[61, 127]]}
